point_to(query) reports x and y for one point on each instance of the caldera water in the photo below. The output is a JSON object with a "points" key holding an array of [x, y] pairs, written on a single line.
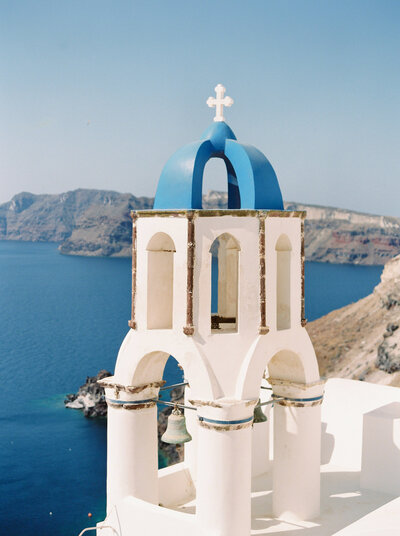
{"points": [[62, 319]]}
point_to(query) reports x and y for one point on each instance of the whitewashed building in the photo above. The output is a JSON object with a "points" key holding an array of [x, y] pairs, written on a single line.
{"points": [[222, 291]]}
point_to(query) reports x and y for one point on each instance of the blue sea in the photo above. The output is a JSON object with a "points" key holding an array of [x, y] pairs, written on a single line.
{"points": [[62, 319]]}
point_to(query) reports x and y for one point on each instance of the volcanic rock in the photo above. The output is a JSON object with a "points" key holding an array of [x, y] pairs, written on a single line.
{"points": [[362, 340], [90, 397]]}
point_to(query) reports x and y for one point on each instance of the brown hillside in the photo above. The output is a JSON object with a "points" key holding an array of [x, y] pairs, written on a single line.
{"points": [[362, 340]]}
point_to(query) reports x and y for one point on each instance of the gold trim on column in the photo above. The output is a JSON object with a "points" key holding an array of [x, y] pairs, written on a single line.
{"points": [[302, 260], [132, 321], [131, 407], [263, 328], [298, 403], [131, 389], [189, 328], [225, 428]]}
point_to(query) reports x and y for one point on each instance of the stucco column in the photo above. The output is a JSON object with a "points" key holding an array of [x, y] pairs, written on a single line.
{"points": [[223, 498], [297, 449], [132, 447], [190, 448], [260, 442]]}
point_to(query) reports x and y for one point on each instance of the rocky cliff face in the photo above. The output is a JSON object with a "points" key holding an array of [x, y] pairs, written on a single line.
{"points": [[362, 340], [97, 222], [90, 397], [85, 222], [342, 236]]}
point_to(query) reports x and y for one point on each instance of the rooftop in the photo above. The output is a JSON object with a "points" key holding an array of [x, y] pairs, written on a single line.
{"points": [[359, 420]]}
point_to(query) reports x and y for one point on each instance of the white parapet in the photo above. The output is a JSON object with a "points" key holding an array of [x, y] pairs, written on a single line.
{"points": [[380, 469]]}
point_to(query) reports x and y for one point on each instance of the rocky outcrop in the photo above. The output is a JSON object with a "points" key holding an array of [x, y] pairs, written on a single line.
{"points": [[362, 340], [388, 358], [97, 222], [90, 397]]}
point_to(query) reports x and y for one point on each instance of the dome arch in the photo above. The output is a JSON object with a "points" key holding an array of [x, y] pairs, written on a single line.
{"points": [[252, 182]]}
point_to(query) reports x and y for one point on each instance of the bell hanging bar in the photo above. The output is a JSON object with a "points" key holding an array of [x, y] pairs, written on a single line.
{"points": [[258, 415], [177, 433], [270, 401], [174, 404], [182, 406], [166, 387]]}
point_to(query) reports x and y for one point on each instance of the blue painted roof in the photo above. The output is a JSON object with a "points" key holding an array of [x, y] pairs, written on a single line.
{"points": [[252, 182]]}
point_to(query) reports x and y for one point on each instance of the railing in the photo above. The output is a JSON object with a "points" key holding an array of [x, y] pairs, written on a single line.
{"points": [[98, 528]]}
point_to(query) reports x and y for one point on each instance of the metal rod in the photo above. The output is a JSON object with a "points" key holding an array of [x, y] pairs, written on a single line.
{"points": [[159, 401], [271, 401], [98, 528], [166, 387], [166, 403]]}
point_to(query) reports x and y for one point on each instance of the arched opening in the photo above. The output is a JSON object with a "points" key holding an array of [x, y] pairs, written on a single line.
{"points": [[224, 283], [174, 485], [283, 253], [160, 281], [286, 365], [292, 444], [173, 374], [215, 184], [220, 187]]}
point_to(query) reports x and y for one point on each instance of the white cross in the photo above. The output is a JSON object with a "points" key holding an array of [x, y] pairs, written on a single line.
{"points": [[219, 102]]}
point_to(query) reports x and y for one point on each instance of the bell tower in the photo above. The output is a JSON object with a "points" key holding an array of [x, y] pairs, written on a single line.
{"points": [[223, 292]]}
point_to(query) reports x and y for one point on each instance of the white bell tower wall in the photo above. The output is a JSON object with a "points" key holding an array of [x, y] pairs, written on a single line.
{"points": [[262, 268], [222, 291]]}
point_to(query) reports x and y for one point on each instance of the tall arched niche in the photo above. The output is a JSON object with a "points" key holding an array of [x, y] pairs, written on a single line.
{"points": [[224, 283], [283, 249], [160, 281]]}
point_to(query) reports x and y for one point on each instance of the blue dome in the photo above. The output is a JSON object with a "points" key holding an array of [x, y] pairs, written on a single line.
{"points": [[252, 182]]}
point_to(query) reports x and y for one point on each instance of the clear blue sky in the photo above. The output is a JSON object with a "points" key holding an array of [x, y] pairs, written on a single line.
{"points": [[98, 94]]}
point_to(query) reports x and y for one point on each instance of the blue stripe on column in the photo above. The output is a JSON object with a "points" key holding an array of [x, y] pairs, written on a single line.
{"points": [[298, 399], [133, 402], [215, 421]]}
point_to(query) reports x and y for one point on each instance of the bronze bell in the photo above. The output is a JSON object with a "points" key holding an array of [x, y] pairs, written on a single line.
{"points": [[176, 431], [259, 415]]}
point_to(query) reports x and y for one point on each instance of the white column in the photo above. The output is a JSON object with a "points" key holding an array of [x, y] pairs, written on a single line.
{"points": [[223, 499], [190, 448], [132, 449], [260, 461], [297, 452]]}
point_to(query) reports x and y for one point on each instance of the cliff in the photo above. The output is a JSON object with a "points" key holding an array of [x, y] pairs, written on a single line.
{"points": [[85, 222], [362, 340], [97, 222], [342, 236]]}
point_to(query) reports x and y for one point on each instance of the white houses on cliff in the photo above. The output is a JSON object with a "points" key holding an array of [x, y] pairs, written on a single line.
{"points": [[222, 291]]}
